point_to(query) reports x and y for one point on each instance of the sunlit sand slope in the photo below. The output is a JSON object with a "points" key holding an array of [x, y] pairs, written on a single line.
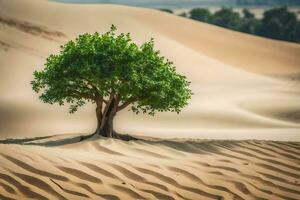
{"points": [[112, 170], [241, 83]]}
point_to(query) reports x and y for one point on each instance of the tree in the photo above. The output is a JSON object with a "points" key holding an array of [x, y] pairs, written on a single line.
{"points": [[279, 23], [247, 14], [166, 10], [183, 14], [227, 18], [201, 14], [297, 32], [113, 72], [249, 24], [267, 2]]}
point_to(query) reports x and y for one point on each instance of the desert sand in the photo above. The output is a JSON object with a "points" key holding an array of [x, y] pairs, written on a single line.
{"points": [[49, 168], [245, 88], [242, 84]]}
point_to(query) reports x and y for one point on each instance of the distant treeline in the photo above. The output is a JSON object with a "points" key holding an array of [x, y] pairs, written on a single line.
{"points": [[277, 23], [267, 2]]}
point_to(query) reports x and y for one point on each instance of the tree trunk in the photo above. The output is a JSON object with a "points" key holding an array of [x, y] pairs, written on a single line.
{"points": [[99, 115], [105, 126], [106, 129], [105, 122]]}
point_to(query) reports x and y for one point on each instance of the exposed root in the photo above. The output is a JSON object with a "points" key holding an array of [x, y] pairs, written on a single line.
{"points": [[115, 135]]}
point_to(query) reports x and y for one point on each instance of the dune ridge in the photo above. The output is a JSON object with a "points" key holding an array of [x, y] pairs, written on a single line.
{"points": [[150, 169], [240, 82]]}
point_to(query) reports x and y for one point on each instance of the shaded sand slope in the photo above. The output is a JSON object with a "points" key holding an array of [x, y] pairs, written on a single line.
{"points": [[240, 82], [150, 169]]}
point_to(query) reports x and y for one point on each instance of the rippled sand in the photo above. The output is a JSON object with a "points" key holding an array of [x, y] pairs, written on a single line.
{"points": [[245, 87], [110, 169]]}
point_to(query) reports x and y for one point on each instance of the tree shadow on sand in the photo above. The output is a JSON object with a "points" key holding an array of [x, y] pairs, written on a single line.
{"points": [[196, 146], [52, 141]]}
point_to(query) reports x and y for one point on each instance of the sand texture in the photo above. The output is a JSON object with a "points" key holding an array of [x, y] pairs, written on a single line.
{"points": [[245, 87], [149, 169]]}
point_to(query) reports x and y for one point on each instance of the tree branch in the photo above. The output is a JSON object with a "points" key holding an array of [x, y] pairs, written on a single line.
{"points": [[106, 102], [111, 97], [124, 105], [78, 94]]}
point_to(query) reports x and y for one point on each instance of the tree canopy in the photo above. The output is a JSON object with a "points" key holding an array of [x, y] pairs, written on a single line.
{"points": [[201, 14], [227, 17], [280, 23], [113, 72]]}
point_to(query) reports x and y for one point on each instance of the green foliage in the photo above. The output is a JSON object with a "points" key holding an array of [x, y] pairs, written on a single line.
{"points": [[201, 14], [95, 66], [277, 23], [184, 14], [249, 24], [280, 23], [247, 14], [297, 31], [267, 2], [227, 18], [166, 10]]}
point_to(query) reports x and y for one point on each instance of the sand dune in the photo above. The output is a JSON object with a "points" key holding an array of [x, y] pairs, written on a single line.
{"points": [[245, 87], [149, 169], [241, 82]]}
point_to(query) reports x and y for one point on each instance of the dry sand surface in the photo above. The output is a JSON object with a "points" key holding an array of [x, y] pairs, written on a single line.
{"points": [[245, 87], [149, 169]]}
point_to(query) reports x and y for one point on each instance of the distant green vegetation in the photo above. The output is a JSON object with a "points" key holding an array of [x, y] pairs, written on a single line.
{"points": [[277, 23], [166, 10], [267, 2]]}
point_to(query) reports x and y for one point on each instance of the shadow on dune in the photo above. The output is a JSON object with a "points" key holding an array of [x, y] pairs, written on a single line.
{"points": [[179, 145], [166, 164], [195, 146], [23, 141], [30, 28], [182, 145], [38, 141]]}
